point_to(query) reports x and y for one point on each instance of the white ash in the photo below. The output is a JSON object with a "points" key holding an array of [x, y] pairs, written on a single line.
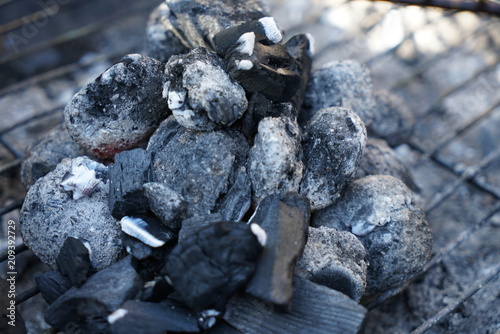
{"points": [[273, 163], [117, 315], [246, 43], [244, 64], [259, 233], [81, 181], [271, 29], [136, 227]]}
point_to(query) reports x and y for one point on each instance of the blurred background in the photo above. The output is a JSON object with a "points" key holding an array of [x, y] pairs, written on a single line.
{"points": [[444, 63]]}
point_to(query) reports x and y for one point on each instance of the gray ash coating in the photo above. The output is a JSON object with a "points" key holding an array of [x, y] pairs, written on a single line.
{"points": [[381, 211], [197, 165], [44, 156], [392, 118], [333, 144], [344, 83], [380, 159], [196, 22], [335, 259], [274, 162], [49, 215], [120, 109], [168, 205], [200, 92]]}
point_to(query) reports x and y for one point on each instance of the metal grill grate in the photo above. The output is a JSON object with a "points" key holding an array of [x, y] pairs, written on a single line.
{"points": [[405, 66]]}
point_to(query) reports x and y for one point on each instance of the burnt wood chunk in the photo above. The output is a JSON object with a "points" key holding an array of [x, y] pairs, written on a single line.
{"points": [[73, 260], [52, 285], [209, 266], [315, 309], [166, 204], [285, 218], [127, 175]]}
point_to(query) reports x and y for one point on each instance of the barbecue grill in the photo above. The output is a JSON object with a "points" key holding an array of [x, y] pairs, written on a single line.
{"points": [[444, 62]]}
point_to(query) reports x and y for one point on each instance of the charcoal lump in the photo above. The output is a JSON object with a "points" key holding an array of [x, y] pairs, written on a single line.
{"points": [[50, 214], [381, 211]]}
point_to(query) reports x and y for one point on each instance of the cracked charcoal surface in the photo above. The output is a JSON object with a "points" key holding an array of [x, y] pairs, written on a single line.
{"points": [[274, 164], [168, 205], [344, 83], [196, 22], [127, 174], [315, 309], [392, 118], [154, 318], [333, 145], [52, 285], [217, 100], [335, 259], [209, 266], [198, 165], [49, 215], [74, 261], [88, 306], [161, 42], [285, 218], [120, 109], [44, 156], [381, 211], [238, 198], [380, 159]]}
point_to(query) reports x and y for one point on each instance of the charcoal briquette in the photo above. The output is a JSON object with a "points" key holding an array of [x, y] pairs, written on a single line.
{"points": [[200, 93], [392, 118], [335, 259], [127, 175], [211, 265], [380, 159], [74, 260], [52, 284], [120, 109], [50, 215], [344, 83], [44, 155], [152, 318], [88, 306], [333, 145], [167, 204], [274, 163], [315, 309], [284, 218], [381, 211]]}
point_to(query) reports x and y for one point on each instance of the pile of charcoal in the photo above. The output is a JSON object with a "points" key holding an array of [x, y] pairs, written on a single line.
{"points": [[219, 185]]}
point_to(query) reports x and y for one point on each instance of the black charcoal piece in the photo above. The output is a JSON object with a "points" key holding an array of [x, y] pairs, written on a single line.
{"points": [[165, 132], [238, 199], [333, 145], [135, 247], [381, 211], [272, 70], [196, 22], [147, 229], [155, 291], [392, 118], [344, 83], [126, 176], [167, 204], [44, 156], [222, 327], [380, 159], [50, 214], [315, 309], [161, 42], [192, 225], [198, 166], [265, 30], [73, 260], [152, 318], [200, 93], [285, 218], [88, 306], [274, 164], [209, 266], [120, 109], [335, 259], [52, 285]]}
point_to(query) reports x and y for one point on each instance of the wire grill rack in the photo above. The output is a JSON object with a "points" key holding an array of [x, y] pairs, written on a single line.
{"points": [[444, 63]]}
